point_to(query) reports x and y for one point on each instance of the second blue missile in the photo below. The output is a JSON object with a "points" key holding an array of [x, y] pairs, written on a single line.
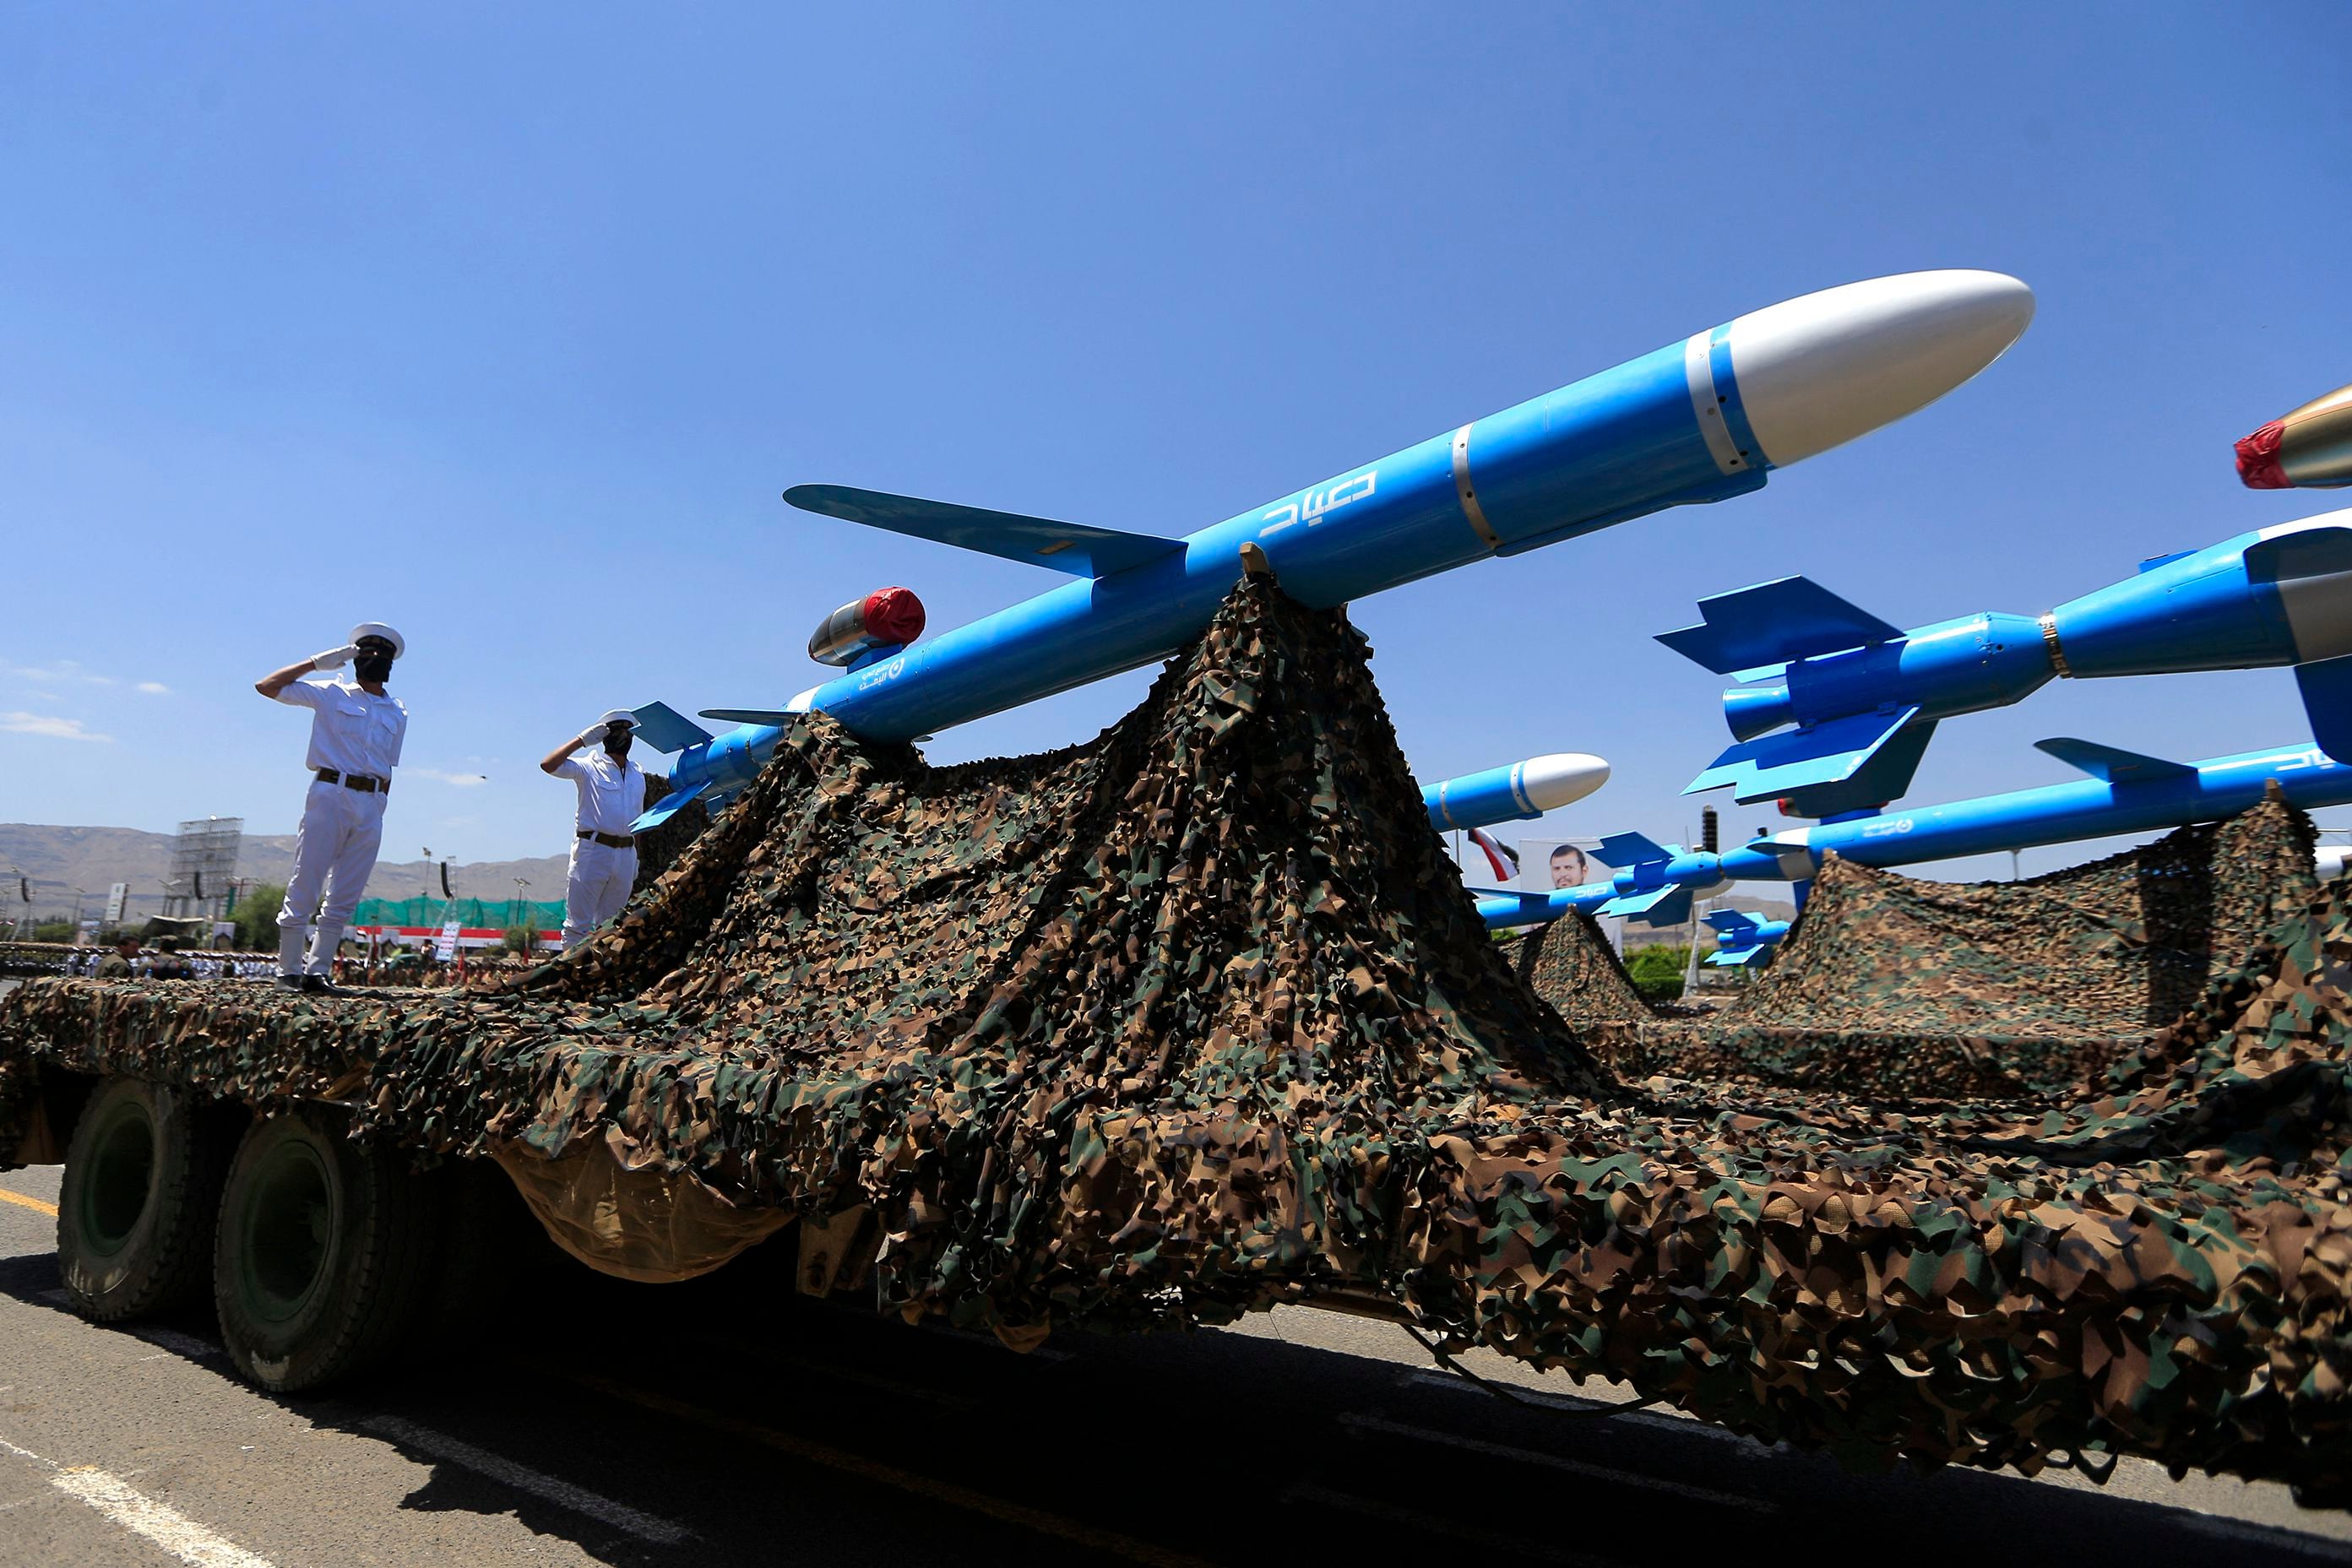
{"points": [[1864, 697], [1521, 792]]}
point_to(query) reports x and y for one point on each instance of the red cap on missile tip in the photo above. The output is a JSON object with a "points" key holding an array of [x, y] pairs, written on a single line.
{"points": [[894, 614], [2258, 459]]}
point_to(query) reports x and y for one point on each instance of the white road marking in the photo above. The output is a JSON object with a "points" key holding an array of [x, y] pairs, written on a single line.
{"points": [[579, 1500], [134, 1510], [1683, 1426], [1554, 1461], [179, 1343]]}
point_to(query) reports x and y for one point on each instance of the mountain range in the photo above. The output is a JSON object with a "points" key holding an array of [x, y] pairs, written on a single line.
{"points": [[58, 859]]}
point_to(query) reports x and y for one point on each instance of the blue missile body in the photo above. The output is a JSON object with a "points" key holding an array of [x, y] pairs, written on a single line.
{"points": [[1699, 421], [2126, 793], [1865, 696], [1743, 940], [1520, 792]]}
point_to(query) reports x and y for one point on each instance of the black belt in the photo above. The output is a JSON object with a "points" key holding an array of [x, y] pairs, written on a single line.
{"points": [[611, 841], [365, 783]]}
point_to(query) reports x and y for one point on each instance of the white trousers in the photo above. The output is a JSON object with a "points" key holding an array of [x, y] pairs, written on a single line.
{"points": [[334, 850], [598, 886]]}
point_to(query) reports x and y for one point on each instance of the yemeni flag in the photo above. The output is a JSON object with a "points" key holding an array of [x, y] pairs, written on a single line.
{"points": [[1501, 855]]}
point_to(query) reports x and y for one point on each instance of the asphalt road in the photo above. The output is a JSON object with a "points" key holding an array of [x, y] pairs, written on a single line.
{"points": [[729, 1421]]}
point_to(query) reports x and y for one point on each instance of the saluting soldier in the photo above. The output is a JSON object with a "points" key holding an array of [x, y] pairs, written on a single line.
{"points": [[611, 795], [356, 730]]}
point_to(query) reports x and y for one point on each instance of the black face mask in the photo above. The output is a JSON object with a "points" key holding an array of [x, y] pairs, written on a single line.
{"points": [[618, 744], [372, 666]]}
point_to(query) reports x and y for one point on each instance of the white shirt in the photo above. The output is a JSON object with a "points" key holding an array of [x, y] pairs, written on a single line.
{"points": [[612, 794], [352, 730]]}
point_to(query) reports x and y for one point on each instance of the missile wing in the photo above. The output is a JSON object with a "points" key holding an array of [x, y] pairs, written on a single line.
{"points": [[1075, 548]]}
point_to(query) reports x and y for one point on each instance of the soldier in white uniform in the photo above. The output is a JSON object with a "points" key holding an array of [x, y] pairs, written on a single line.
{"points": [[611, 795], [356, 729]]}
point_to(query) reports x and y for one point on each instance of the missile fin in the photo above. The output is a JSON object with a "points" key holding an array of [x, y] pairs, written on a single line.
{"points": [[668, 806], [2111, 763], [1630, 848], [1830, 753], [1730, 920], [775, 718], [1078, 549], [665, 729], [1667, 906], [1741, 958], [2327, 687], [1751, 631]]}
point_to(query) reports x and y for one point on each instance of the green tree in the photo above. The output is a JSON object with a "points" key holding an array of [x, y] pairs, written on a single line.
{"points": [[1656, 970], [257, 918]]}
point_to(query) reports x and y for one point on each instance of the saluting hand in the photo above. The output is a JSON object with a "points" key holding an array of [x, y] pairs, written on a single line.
{"points": [[335, 658]]}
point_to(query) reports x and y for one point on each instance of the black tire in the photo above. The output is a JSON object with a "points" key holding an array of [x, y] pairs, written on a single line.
{"points": [[136, 1214], [324, 1247]]}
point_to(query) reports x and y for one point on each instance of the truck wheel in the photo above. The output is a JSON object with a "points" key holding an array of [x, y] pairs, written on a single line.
{"points": [[135, 1216], [324, 1244]]}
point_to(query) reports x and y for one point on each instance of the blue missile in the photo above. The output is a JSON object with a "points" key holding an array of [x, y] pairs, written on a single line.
{"points": [[2126, 792], [1864, 697], [1520, 792], [1698, 420], [1742, 940]]}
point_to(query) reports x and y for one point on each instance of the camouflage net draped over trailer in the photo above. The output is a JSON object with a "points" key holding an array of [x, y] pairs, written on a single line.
{"points": [[1197, 1019], [1896, 988]]}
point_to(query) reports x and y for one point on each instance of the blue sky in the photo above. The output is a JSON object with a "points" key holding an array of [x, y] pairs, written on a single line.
{"points": [[510, 330]]}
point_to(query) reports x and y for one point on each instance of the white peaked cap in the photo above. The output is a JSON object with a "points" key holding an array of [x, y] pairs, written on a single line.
{"points": [[378, 629], [619, 716]]}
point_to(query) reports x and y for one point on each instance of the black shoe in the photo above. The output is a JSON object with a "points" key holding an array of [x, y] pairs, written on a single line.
{"points": [[291, 982], [317, 986]]}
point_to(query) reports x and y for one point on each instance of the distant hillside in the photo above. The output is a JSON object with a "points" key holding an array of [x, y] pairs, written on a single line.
{"points": [[94, 858]]}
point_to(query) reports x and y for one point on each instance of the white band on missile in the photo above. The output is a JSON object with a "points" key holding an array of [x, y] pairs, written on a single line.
{"points": [[1698, 374], [1470, 506]]}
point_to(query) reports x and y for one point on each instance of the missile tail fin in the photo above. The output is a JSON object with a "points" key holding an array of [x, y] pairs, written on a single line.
{"points": [[1667, 906], [1630, 849], [2111, 763], [1753, 631], [2327, 687], [668, 806], [1730, 920], [1862, 760], [665, 729], [1742, 957], [1078, 549]]}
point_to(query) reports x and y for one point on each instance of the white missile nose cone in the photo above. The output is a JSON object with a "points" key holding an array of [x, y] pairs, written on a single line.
{"points": [[1561, 778], [1816, 371]]}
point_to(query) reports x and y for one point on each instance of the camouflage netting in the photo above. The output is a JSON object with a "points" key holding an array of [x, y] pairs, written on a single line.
{"points": [[1570, 964], [1196, 1018], [1893, 986]]}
